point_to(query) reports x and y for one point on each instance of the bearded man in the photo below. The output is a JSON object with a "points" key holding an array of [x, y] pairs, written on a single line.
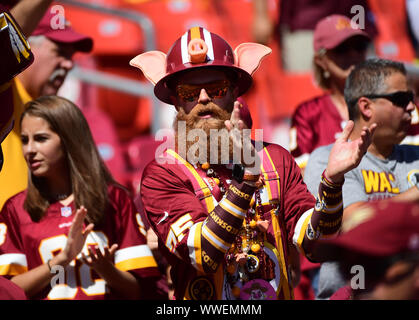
{"points": [[225, 216]]}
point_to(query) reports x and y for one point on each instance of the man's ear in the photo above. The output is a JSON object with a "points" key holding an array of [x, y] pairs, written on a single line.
{"points": [[364, 107]]}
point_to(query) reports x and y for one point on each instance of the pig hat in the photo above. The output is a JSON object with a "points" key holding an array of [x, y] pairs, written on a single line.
{"points": [[199, 48]]}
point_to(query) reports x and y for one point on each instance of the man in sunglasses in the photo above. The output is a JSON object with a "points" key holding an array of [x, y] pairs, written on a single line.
{"points": [[226, 213], [376, 91], [378, 251]]}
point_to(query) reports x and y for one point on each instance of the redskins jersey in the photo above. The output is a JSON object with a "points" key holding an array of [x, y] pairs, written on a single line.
{"points": [[192, 226], [25, 244]]}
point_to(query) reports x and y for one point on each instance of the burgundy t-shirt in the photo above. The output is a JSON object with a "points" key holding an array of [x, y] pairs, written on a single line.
{"points": [[316, 122]]}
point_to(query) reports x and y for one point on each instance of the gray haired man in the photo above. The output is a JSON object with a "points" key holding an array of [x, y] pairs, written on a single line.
{"points": [[376, 91]]}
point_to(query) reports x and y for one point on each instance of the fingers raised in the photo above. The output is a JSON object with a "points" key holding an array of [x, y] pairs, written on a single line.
{"points": [[347, 131]]}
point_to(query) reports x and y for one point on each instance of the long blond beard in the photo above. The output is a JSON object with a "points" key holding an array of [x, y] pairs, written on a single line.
{"points": [[203, 140]]}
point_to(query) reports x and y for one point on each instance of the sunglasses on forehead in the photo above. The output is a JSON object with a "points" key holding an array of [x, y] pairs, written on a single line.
{"points": [[191, 92], [398, 98]]}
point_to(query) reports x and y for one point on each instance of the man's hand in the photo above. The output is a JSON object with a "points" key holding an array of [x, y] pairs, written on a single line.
{"points": [[28, 14], [243, 149], [346, 155]]}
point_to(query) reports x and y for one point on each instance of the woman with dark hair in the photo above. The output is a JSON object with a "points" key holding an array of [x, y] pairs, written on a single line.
{"points": [[74, 232]]}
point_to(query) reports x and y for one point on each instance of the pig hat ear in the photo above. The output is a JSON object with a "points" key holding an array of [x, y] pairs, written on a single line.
{"points": [[248, 56], [152, 64]]}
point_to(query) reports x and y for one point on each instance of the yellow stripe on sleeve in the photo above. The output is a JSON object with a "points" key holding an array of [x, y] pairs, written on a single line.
{"points": [[194, 245], [136, 263], [215, 240], [12, 269], [232, 209], [305, 219]]}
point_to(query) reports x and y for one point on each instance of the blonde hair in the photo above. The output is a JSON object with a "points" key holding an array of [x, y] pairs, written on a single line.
{"points": [[319, 74]]}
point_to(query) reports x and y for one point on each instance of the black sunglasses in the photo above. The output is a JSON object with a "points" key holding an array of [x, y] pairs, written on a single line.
{"points": [[398, 98]]}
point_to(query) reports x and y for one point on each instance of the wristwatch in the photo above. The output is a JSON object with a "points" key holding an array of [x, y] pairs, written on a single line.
{"points": [[239, 175]]}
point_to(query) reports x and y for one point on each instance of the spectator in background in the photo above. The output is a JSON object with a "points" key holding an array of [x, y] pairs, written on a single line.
{"points": [[72, 215], [381, 238], [27, 15], [53, 50], [339, 46], [376, 91], [297, 21]]}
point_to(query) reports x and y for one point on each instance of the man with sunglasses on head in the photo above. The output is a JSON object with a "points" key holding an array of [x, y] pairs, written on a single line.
{"points": [[376, 91], [226, 213]]}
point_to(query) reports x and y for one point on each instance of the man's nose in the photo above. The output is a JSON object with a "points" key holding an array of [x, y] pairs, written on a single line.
{"points": [[411, 106], [203, 97], [67, 64]]}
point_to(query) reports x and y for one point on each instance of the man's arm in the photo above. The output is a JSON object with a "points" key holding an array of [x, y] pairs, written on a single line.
{"points": [[182, 223], [28, 13], [326, 218]]}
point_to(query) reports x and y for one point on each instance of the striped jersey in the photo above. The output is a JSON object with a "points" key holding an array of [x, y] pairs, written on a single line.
{"points": [[194, 236]]}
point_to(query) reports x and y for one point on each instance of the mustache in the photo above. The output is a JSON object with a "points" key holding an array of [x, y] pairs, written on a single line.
{"points": [[58, 73], [193, 118]]}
